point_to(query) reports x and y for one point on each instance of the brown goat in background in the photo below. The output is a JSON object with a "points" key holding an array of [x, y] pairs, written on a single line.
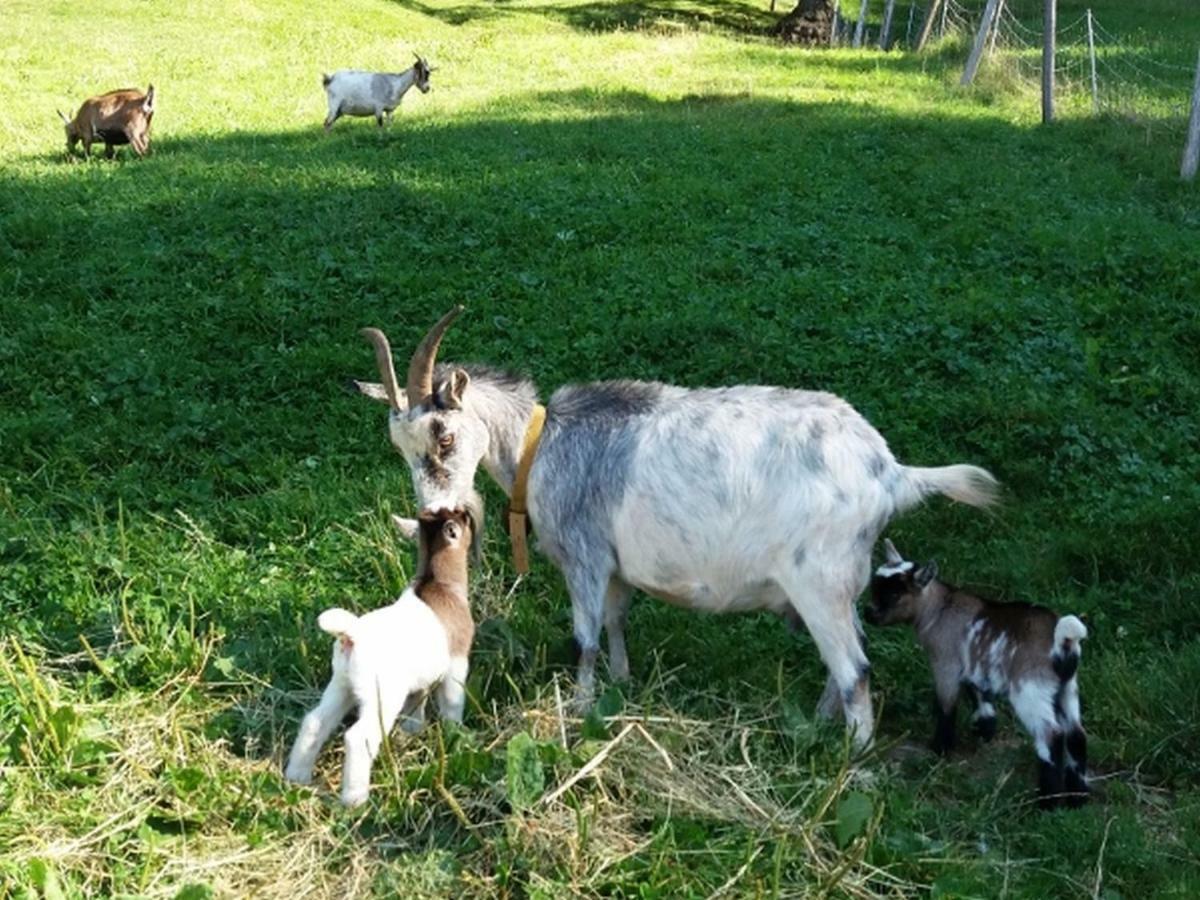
{"points": [[118, 117]]}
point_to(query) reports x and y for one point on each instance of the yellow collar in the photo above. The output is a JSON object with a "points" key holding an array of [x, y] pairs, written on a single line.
{"points": [[516, 504]]}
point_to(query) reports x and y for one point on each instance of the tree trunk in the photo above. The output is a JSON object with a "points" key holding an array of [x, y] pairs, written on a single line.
{"points": [[811, 22]]}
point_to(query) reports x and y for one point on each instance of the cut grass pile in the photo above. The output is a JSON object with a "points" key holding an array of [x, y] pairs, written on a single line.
{"points": [[615, 190]]}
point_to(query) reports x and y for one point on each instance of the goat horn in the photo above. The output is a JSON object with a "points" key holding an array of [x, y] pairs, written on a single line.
{"points": [[387, 368], [893, 555], [420, 371], [66, 121]]}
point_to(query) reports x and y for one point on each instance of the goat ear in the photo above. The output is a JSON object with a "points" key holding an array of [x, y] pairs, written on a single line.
{"points": [[65, 120], [148, 103], [406, 527], [893, 555], [450, 391], [372, 390], [926, 574]]}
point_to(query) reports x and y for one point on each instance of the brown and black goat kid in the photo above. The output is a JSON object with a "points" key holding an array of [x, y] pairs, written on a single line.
{"points": [[1020, 651], [118, 117]]}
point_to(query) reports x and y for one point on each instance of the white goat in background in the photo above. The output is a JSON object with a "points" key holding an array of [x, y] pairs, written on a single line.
{"points": [[355, 93]]}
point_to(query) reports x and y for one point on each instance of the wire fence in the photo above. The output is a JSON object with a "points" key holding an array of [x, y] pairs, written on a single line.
{"points": [[1094, 67]]}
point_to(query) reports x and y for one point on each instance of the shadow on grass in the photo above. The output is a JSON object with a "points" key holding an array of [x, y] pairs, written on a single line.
{"points": [[178, 329], [236, 271], [733, 16]]}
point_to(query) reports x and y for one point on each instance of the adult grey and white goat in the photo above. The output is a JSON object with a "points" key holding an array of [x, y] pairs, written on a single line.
{"points": [[727, 499], [1015, 650], [355, 93]]}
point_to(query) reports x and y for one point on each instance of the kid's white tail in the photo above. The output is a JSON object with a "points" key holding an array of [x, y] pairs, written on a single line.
{"points": [[338, 622], [1067, 634]]}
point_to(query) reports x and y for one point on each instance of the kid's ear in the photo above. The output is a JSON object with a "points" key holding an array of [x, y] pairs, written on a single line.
{"points": [[926, 574], [406, 527]]}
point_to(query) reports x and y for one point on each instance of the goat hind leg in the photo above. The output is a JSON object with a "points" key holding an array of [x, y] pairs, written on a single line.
{"points": [[1076, 767], [1076, 761], [315, 730], [363, 740], [829, 616], [1051, 747], [586, 586], [616, 609], [412, 716], [830, 704]]}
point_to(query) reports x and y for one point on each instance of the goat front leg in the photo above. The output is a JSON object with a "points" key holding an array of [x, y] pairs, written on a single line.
{"points": [[616, 610], [318, 725], [452, 692], [946, 688]]}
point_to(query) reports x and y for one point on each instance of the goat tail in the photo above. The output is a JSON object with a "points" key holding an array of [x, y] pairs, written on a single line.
{"points": [[1064, 655], [338, 622], [966, 484]]}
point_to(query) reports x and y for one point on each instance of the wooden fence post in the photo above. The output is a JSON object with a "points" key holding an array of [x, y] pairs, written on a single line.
{"points": [[927, 24], [862, 23], [1049, 26], [1092, 57], [1191, 150], [985, 25], [885, 32]]}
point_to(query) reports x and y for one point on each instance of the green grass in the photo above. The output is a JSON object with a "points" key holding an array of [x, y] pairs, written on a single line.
{"points": [[638, 190]]}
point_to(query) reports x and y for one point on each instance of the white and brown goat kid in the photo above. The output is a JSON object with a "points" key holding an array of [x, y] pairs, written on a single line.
{"points": [[1020, 651], [387, 661]]}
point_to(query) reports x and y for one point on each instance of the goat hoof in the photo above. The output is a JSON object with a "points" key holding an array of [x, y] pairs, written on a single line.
{"points": [[298, 776], [986, 728], [351, 799]]}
